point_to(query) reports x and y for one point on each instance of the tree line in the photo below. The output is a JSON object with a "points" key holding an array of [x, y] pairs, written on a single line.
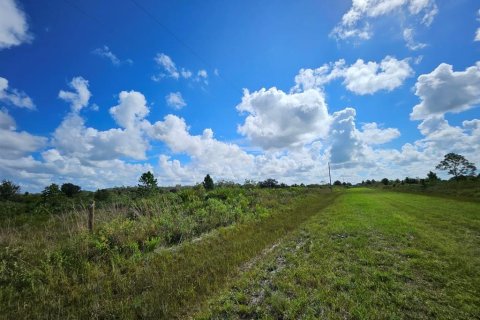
{"points": [[454, 164]]}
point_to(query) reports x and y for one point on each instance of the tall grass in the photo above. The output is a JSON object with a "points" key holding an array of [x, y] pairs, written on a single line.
{"points": [[140, 261]]}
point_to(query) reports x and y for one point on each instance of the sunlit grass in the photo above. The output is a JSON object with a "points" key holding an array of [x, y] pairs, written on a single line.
{"points": [[371, 255], [161, 262]]}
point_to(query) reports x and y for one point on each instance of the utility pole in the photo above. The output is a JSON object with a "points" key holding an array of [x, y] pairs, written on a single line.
{"points": [[330, 176]]}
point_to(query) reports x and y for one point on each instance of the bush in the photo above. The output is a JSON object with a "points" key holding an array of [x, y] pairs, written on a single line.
{"points": [[69, 189], [8, 190], [208, 183]]}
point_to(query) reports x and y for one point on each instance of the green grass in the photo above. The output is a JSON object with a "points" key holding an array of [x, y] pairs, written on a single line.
{"points": [[371, 255], [258, 254], [55, 269], [466, 190]]}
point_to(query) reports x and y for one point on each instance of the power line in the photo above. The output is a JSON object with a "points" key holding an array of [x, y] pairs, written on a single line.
{"points": [[179, 40], [163, 26], [93, 18]]}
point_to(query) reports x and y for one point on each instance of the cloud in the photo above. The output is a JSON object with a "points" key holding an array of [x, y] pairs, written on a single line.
{"points": [[105, 52], [208, 155], [185, 73], [14, 144], [292, 134], [170, 70], [175, 100], [360, 78], [444, 90], [14, 97], [373, 135], [6, 121], [346, 146], [356, 23], [168, 66], [131, 109], [202, 75], [73, 139], [279, 120], [13, 25], [367, 78], [477, 34], [78, 99], [408, 34]]}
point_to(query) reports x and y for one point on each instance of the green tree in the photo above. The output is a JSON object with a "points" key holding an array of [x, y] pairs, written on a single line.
{"points": [[147, 183], [269, 183], [8, 190], [50, 193], [69, 189], [432, 176], [101, 195], [385, 181], [337, 183], [147, 180], [208, 183], [457, 165]]}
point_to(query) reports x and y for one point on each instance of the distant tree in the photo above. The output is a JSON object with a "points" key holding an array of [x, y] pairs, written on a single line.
{"points": [[50, 194], [337, 183], [385, 181], [69, 189], [432, 176], [249, 184], [368, 182], [269, 183], [208, 183], [8, 190], [410, 180], [457, 165], [101, 195], [147, 181]]}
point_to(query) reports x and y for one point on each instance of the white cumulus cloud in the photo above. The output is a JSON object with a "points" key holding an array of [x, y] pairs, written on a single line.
{"points": [[14, 97], [444, 90], [80, 97], [13, 143], [13, 25], [373, 135], [360, 78], [356, 23], [279, 120], [175, 100], [131, 109]]}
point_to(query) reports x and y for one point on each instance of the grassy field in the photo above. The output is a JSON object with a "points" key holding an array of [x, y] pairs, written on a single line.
{"points": [[51, 267], [285, 254], [370, 255]]}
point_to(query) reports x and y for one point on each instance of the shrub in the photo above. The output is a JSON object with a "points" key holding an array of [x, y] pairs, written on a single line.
{"points": [[208, 183], [69, 189], [8, 190]]}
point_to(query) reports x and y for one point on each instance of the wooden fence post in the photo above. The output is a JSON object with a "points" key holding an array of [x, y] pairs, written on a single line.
{"points": [[91, 216]]}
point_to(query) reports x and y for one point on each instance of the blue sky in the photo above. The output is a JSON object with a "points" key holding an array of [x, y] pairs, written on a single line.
{"points": [[97, 92]]}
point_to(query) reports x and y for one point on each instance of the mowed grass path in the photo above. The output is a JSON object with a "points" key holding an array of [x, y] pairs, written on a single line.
{"points": [[370, 255]]}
